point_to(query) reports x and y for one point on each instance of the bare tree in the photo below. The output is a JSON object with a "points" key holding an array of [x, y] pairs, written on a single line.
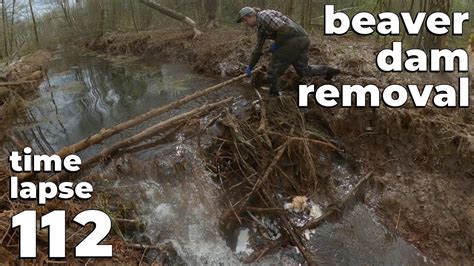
{"points": [[210, 6], [102, 18], [173, 14], [432, 41], [12, 24], [289, 8], [411, 12], [306, 14], [132, 10], [67, 16], [4, 20], [34, 23]]}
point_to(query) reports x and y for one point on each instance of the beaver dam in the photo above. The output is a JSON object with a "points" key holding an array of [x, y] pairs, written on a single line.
{"points": [[195, 166]]}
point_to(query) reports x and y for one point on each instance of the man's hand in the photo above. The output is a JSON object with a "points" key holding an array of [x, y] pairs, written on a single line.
{"points": [[273, 48], [248, 71]]}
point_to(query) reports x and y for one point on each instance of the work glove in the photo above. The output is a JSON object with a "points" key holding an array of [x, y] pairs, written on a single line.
{"points": [[273, 48], [248, 71]]}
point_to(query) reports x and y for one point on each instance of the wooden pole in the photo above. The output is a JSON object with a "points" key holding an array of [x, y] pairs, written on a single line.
{"points": [[147, 133]]}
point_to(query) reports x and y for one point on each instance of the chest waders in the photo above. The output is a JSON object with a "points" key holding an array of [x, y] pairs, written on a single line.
{"points": [[293, 51]]}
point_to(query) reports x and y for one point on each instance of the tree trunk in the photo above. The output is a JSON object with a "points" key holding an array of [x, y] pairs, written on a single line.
{"points": [[421, 36], [210, 6], [34, 24], [134, 19], [289, 8], [404, 34], [12, 25], [147, 133], [4, 20], [102, 18], [306, 14], [172, 14], [65, 7], [431, 41]]}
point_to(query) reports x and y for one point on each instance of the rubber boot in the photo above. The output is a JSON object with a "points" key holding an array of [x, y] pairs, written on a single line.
{"points": [[331, 72], [274, 88]]}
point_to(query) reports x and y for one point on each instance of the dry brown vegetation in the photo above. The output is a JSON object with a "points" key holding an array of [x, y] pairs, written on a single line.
{"points": [[420, 159]]}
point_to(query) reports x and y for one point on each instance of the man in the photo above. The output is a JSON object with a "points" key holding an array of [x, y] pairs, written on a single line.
{"points": [[290, 46]]}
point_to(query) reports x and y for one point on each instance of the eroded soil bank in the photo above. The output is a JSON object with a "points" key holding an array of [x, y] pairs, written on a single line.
{"points": [[18, 80], [422, 158]]}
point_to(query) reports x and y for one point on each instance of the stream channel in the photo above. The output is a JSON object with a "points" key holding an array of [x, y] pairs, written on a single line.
{"points": [[166, 184]]}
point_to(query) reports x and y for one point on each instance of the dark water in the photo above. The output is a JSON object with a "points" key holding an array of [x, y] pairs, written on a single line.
{"points": [[168, 186], [84, 94], [357, 238]]}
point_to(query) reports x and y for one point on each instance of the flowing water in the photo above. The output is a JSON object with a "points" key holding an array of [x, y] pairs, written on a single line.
{"points": [[165, 183]]}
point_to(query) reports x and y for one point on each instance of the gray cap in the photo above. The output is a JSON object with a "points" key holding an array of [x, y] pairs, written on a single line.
{"points": [[245, 12]]}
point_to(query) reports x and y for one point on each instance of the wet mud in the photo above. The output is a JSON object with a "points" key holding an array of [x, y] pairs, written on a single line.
{"points": [[422, 158]]}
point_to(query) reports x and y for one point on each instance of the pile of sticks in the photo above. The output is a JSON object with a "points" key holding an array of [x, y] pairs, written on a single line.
{"points": [[263, 160]]}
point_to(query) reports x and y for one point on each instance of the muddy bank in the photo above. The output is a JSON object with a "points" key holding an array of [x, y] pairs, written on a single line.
{"points": [[422, 158], [29, 67], [423, 181], [222, 53], [24, 74]]}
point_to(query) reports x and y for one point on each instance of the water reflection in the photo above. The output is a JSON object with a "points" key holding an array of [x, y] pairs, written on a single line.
{"points": [[76, 102]]}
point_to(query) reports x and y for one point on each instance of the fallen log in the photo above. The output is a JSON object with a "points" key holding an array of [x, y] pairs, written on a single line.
{"points": [[172, 14], [263, 126], [107, 133], [147, 133]]}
